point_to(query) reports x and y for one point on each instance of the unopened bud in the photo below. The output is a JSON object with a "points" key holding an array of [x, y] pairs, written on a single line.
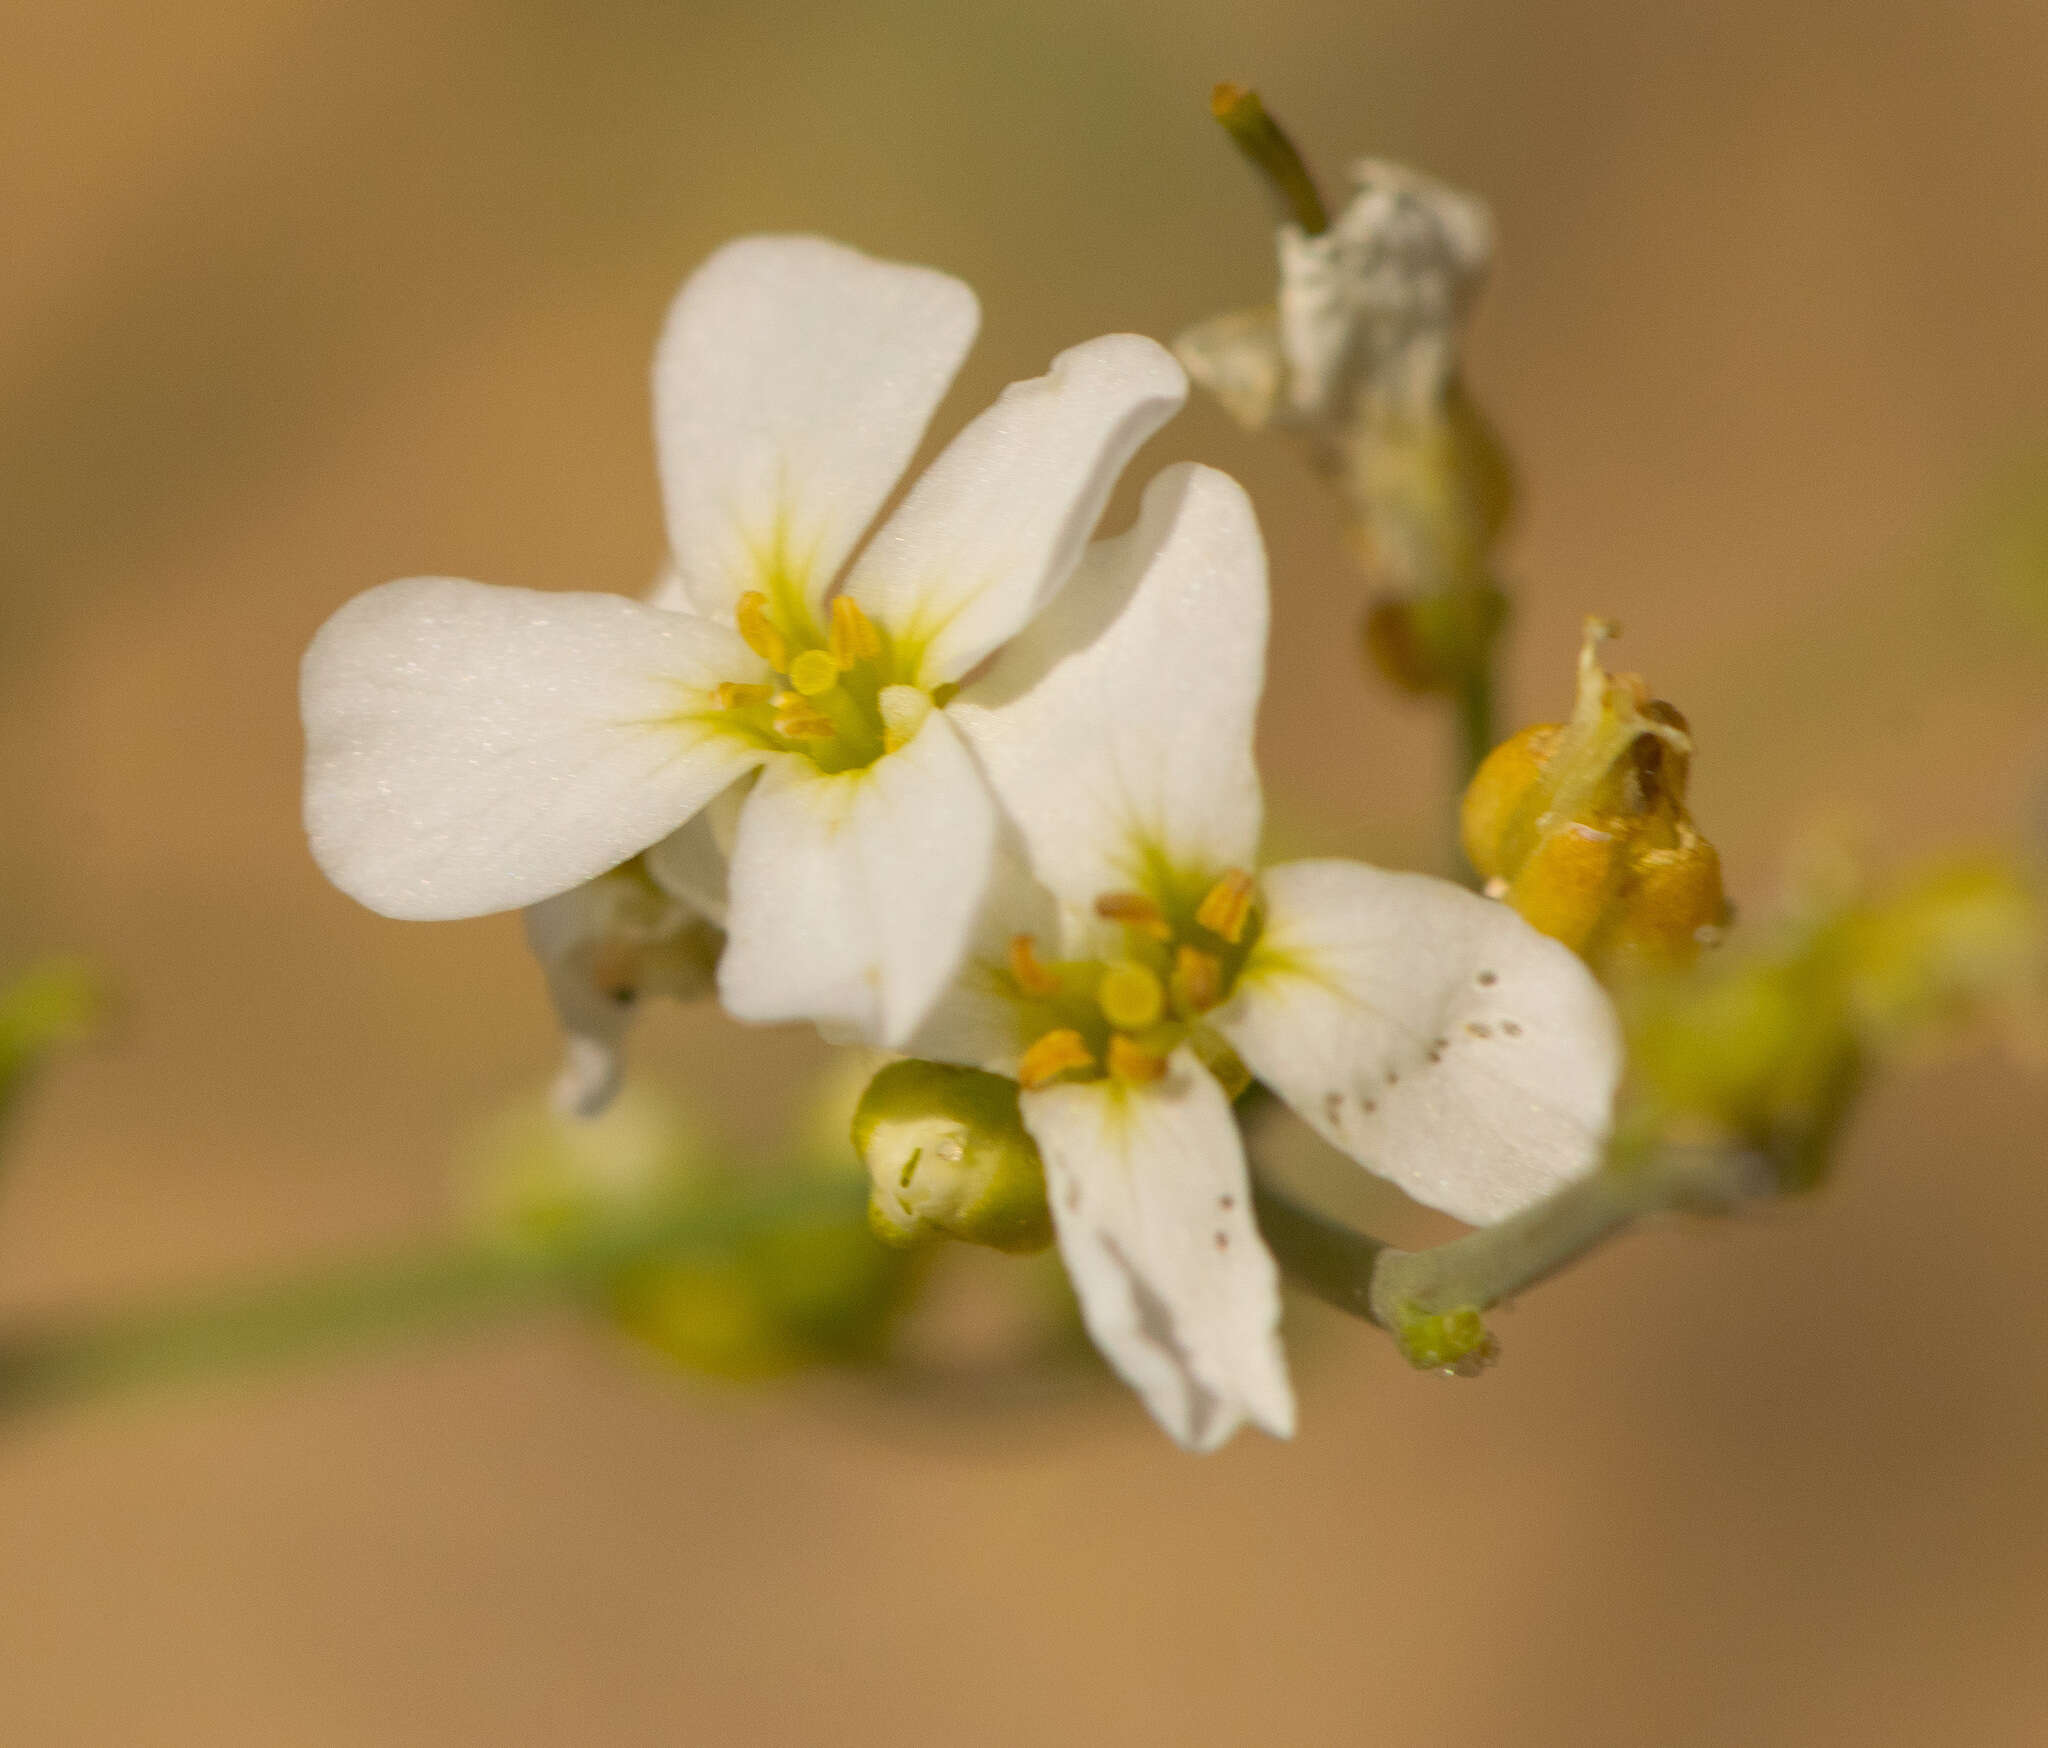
{"points": [[1582, 827], [948, 1155]]}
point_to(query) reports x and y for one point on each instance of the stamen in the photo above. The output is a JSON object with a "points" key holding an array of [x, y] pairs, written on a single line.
{"points": [[853, 637], [814, 673], [1197, 979], [1130, 996], [1132, 1062], [904, 709], [1228, 905], [1052, 1056], [796, 720], [1135, 911], [1031, 975], [738, 694], [750, 614]]}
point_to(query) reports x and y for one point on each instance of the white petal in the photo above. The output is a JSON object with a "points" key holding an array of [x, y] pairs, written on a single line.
{"points": [[792, 383], [667, 590], [602, 946], [994, 526], [854, 897], [1119, 727], [976, 1021], [1150, 1200], [690, 863], [1429, 1033], [1237, 358], [471, 749]]}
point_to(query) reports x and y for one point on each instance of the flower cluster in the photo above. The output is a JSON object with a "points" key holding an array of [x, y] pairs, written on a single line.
{"points": [[972, 786]]}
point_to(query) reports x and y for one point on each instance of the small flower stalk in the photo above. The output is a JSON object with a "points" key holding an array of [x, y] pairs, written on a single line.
{"points": [[1582, 827], [1358, 358]]}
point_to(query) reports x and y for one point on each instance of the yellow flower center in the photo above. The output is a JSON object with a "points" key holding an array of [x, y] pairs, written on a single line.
{"points": [[840, 696], [1122, 1015]]}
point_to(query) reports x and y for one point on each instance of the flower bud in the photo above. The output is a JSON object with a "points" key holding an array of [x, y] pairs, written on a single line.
{"points": [[948, 1155], [1582, 827]]}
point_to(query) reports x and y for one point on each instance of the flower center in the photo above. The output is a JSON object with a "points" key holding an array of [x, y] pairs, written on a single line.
{"points": [[1122, 1015], [837, 698]]}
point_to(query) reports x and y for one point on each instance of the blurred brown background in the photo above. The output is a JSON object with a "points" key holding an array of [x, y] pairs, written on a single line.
{"points": [[301, 295]]}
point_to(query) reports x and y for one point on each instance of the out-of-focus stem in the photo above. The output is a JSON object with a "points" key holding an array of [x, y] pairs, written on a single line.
{"points": [[423, 1289]]}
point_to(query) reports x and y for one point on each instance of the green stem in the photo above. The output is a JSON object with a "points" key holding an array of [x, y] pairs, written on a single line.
{"points": [[362, 1300], [1371, 1279]]}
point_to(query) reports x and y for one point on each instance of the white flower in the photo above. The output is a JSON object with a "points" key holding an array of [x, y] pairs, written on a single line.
{"points": [[1369, 309], [1429, 1033], [472, 749]]}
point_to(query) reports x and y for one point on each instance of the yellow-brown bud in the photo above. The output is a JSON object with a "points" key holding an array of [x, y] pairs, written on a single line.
{"points": [[1582, 827]]}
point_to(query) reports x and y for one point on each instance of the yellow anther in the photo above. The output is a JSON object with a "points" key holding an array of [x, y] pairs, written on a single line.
{"points": [[1031, 975], [1135, 911], [1052, 1056], [737, 695], [1197, 979], [814, 673], [750, 614], [1130, 996], [796, 720], [1227, 906], [903, 709], [853, 636], [1132, 1062]]}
